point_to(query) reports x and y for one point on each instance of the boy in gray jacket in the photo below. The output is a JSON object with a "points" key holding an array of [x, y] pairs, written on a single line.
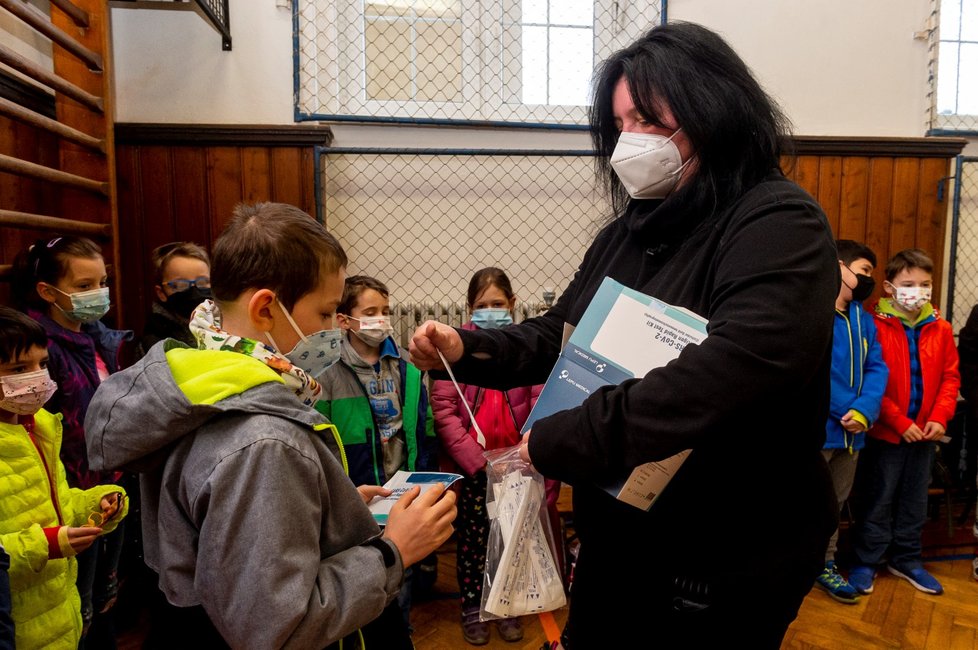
{"points": [[247, 508]]}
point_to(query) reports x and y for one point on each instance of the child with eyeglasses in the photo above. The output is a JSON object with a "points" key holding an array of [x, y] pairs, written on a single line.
{"points": [[44, 523], [182, 275], [63, 285]]}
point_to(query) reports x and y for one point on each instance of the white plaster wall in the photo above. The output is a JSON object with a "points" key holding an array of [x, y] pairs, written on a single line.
{"points": [[838, 67], [170, 68]]}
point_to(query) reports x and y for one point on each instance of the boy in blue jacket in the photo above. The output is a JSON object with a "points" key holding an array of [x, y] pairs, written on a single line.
{"points": [[858, 380]]}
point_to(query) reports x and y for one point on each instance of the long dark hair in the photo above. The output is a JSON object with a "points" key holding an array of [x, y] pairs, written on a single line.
{"points": [[737, 131]]}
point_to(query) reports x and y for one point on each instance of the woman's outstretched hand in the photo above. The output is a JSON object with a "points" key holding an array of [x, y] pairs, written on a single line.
{"points": [[431, 337]]}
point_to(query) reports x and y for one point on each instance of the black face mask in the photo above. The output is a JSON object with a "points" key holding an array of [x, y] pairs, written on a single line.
{"points": [[864, 287], [183, 303]]}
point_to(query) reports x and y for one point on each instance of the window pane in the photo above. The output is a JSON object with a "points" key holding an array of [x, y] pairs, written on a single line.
{"points": [[451, 9], [390, 9], [388, 53], [424, 8], [571, 63], [572, 12], [947, 78], [534, 65], [535, 11], [439, 66], [950, 20], [968, 80], [969, 20]]}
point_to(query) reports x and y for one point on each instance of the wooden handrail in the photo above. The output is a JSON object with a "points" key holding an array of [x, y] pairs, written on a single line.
{"points": [[32, 70], [33, 17], [24, 168], [78, 16], [18, 112], [15, 219]]}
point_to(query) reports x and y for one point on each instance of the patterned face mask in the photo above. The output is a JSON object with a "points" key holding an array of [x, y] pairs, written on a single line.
{"points": [[374, 330], [26, 393], [911, 298], [313, 353]]}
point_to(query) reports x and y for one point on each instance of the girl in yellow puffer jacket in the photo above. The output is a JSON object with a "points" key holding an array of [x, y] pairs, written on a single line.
{"points": [[43, 522]]}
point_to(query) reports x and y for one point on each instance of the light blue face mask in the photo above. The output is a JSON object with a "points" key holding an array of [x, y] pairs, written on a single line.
{"points": [[86, 306], [314, 353], [491, 318]]}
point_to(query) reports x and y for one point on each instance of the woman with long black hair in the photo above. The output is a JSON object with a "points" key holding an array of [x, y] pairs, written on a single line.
{"points": [[689, 146]]}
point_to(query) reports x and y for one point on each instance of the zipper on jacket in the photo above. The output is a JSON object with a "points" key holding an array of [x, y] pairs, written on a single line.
{"points": [[29, 427], [339, 443]]}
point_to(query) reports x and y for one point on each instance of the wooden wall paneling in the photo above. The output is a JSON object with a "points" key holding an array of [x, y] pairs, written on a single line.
{"points": [[853, 204], [805, 173], [903, 204], [307, 199], [190, 199], [932, 216], [158, 187], [878, 212], [286, 175], [131, 219], [224, 185], [256, 182], [829, 193]]}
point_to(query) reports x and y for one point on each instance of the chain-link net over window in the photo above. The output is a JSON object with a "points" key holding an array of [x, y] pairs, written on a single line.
{"points": [[954, 66], [965, 244], [499, 61], [423, 223]]}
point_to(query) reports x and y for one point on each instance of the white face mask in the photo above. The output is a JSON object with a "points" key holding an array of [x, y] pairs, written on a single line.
{"points": [[648, 165], [26, 393], [911, 298], [313, 353], [374, 330]]}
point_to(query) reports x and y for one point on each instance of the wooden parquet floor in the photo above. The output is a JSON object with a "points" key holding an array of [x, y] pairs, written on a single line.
{"points": [[895, 615]]}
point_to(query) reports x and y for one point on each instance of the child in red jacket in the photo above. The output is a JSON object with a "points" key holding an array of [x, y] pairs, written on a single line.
{"points": [[501, 415], [920, 398]]}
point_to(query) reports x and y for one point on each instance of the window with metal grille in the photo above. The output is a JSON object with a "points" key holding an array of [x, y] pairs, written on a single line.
{"points": [[501, 61], [956, 99]]}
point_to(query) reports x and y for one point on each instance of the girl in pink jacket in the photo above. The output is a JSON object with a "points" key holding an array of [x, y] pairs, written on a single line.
{"points": [[501, 415]]}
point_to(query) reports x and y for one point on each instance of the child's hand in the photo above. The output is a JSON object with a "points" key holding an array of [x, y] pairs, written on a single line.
{"points": [[913, 433], [933, 431], [368, 492], [418, 525], [851, 424], [82, 538], [110, 505]]}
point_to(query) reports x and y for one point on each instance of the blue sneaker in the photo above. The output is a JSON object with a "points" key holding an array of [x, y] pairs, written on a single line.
{"points": [[861, 578], [836, 586], [918, 577]]}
